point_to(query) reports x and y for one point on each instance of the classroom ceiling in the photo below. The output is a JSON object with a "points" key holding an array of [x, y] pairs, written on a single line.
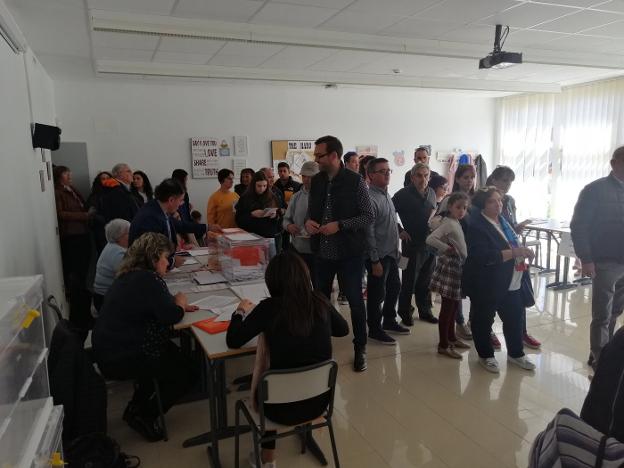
{"points": [[410, 43]]}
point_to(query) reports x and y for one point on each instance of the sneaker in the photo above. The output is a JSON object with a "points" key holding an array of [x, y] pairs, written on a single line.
{"points": [[395, 329], [359, 360], [459, 345], [342, 299], [450, 352], [407, 319], [490, 364], [530, 342], [522, 362], [252, 462], [463, 331], [428, 318], [381, 337], [495, 343]]}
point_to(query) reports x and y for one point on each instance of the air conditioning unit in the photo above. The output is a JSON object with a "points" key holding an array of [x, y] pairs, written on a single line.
{"points": [[10, 31]]}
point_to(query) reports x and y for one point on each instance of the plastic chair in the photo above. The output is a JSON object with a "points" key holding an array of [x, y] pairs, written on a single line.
{"points": [[283, 387]]}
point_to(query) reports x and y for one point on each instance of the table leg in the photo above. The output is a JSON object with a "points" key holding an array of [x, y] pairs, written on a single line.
{"points": [[564, 284], [557, 273]]}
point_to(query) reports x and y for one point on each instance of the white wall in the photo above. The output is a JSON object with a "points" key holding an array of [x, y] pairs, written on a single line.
{"points": [[28, 240], [148, 123]]}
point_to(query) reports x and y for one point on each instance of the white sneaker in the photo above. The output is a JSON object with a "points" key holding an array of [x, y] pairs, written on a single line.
{"points": [[490, 364], [522, 362], [252, 462], [463, 331]]}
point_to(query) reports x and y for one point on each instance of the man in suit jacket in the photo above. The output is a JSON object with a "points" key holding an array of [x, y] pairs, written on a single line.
{"points": [[157, 216], [117, 199], [421, 155]]}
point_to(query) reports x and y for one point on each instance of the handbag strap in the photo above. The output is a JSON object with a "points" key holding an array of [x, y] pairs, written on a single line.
{"points": [[601, 451]]}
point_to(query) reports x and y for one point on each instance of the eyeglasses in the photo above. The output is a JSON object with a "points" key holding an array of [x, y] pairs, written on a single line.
{"points": [[321, 156], [383, 171]]}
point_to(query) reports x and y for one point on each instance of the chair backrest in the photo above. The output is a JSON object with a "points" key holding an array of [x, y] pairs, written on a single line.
{"points": [[293, 385]]}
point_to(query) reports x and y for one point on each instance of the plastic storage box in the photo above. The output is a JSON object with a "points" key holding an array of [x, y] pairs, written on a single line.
{"points": [[25, 403], [243, 256]]}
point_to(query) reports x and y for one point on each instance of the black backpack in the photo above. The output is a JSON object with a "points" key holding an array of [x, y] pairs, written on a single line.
{"points": [[97, 450]]}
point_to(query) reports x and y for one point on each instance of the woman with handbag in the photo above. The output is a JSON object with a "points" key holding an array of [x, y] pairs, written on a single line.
{"points": [[493, 277]]}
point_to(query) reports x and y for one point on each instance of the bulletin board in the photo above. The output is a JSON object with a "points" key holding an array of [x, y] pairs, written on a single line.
{"points": [[294, 152]]}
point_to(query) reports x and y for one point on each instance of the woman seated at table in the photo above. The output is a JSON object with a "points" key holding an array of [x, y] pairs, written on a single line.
{"points": [[492, 278], [131, 338], [113, 253], [257, 209], [297, 323]]}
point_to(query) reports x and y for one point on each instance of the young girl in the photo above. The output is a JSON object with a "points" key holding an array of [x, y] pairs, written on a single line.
{"points": [[253, 210], [448, 239]]}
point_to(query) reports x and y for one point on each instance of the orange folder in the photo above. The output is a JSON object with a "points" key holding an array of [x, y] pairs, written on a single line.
{"points": [[212, 327]]}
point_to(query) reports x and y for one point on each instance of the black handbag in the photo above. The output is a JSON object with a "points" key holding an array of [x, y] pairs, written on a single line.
{"points": [[526, 290]]}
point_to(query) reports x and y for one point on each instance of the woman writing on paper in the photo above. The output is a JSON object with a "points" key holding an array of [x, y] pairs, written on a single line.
{"points": [[297, 324], [131, 337], [256, 211]]}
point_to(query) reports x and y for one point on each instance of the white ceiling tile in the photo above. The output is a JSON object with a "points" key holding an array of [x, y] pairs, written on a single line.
{"points": [[360, 22], [262, 51], [578, 3], [347, 60], [609, 30], [528, 14], [578, 21], [463, 11], [189, 46], [225, 60], [338, 4], [393, 7], [613, 5], [155, 7], [179, 57], [283, 14], [297, 58], [578, 43], [530, 38], [102, 53], [420, 28], [224, 10], [124, 40], [473, 34]]}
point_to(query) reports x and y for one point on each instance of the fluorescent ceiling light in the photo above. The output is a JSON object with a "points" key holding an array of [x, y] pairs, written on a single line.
{"points": [[10, 31]]}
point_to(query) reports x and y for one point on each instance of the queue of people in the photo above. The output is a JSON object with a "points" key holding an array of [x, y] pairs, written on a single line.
{"points": [[340, 223]]}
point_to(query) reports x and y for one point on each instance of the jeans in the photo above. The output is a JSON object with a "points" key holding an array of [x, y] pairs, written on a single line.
{"points": [[384, 288], [409, 281], [349, 271], [511, 311], [607, 304]]}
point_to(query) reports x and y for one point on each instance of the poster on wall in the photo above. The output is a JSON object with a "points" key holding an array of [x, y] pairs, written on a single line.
{"points": [[240, 146], [238, 164], [294, 152], [205, 157], [366, 150]]}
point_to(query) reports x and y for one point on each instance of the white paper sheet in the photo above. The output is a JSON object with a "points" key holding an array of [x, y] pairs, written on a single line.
{"points": [[190, 261], [254, 292], [215, 303], [199, 252], [208, 277], [243, 236], [232, 230]]}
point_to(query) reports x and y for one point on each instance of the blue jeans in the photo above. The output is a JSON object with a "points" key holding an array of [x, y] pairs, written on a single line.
{"points": [[384, 288], [349, 271], [511, 311]]}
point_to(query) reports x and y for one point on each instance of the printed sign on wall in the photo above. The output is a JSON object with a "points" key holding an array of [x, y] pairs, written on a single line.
{"points": [[205, 157]]}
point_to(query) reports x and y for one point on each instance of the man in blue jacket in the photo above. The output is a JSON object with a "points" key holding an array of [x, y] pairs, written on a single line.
{"points": [[598, 236], [157, 216]]}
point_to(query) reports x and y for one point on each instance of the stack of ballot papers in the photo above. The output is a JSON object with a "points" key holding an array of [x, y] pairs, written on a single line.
{"points": [[208, 277]]}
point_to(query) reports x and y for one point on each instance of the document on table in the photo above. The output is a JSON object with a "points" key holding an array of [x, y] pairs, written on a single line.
{"points": [[215, 303], [190, 261], [254, 292], [224, 314], [199, 252], [242, 237], [208, 277]]}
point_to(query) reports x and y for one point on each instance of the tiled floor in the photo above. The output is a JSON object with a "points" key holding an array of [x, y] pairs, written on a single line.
{"points": [[414, 408]]}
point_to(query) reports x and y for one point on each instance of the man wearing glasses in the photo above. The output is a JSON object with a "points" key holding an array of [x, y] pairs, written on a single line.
{"points": [[340, 212], [383, 257]]}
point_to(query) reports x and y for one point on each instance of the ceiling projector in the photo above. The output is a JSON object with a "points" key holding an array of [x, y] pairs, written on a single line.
{"points": [[499, 58]]}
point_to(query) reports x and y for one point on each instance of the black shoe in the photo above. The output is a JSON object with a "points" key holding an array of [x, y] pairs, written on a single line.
{"points": [[381, 337], [428, 318], [395, 329], [359, 360], [149, 428], [407, 318]]}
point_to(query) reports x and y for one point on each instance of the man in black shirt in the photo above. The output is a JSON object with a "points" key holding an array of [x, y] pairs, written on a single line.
{"points": [[340, 212], [117, 200], [414, 205], [285, 183], [421, 155]]}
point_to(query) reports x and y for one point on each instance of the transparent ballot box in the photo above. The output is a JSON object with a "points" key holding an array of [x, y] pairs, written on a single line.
{"points": [[243, 256]]}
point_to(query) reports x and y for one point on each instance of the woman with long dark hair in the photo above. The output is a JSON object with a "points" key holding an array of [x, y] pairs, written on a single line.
{"points": [[297, 324], [142, 187], [93, 204], [257, 209]]}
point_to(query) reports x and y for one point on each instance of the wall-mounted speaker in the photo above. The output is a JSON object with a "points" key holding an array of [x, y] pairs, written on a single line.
{"points": [[46, 136]]}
